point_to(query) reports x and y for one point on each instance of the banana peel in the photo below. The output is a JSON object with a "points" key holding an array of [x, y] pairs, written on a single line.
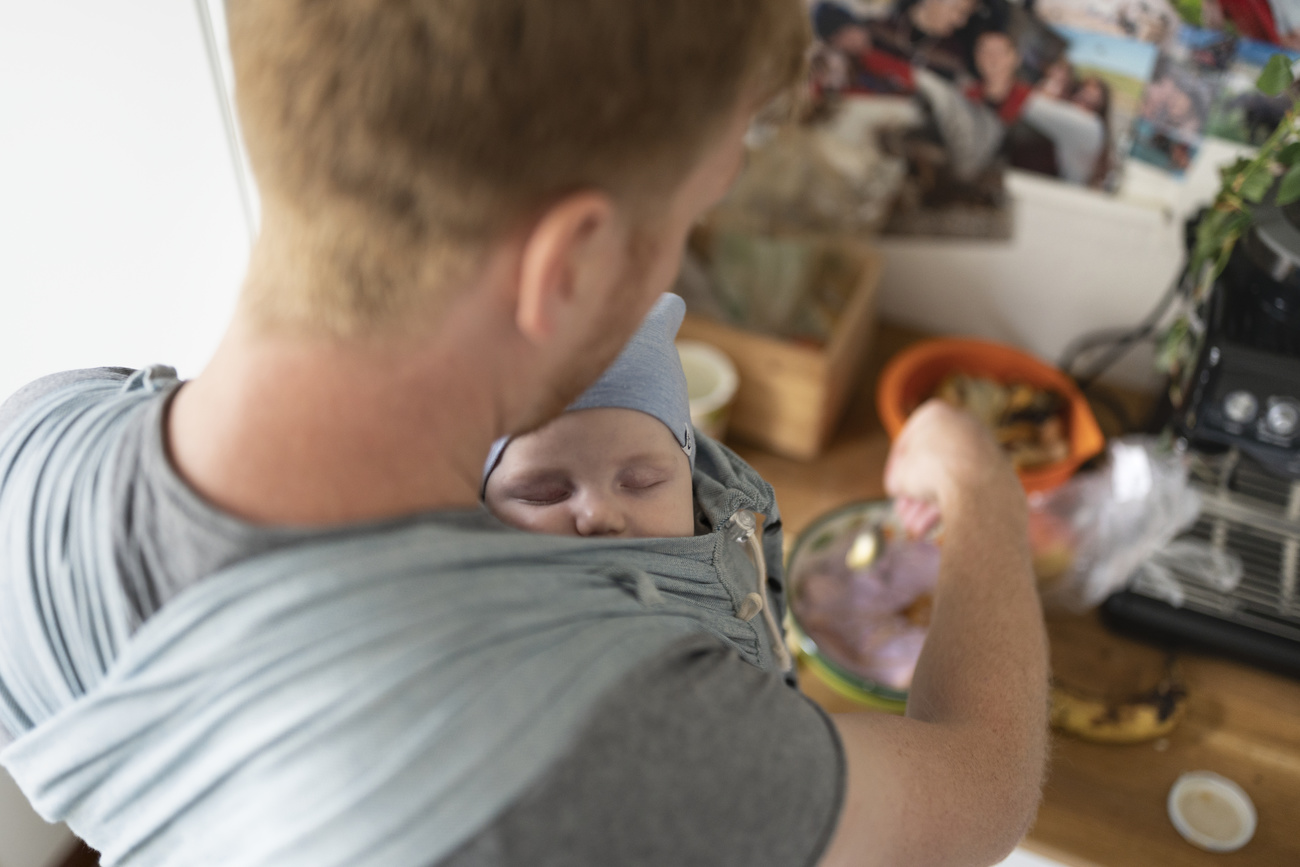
{"points": [[1131, 720]]}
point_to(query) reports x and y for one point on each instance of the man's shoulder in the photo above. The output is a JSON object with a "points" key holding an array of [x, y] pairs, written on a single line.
{"points": [[27, 396]]}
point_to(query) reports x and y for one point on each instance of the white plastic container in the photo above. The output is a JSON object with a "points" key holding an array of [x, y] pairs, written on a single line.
{"points": [[1211, 811], [711, 382]]}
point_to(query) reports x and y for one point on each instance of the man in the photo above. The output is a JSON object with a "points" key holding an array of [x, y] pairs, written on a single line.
{"points": [[260, 618]]}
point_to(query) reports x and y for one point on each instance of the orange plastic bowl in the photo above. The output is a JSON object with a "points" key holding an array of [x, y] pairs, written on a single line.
{"points": [[913, 375]]}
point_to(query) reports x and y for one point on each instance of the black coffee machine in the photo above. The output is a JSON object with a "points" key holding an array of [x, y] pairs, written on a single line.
{"points": [[1239, 415], [1245, 389]]}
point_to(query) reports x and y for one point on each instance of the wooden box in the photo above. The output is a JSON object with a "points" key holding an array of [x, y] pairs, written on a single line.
{"points": [[792, 395]]}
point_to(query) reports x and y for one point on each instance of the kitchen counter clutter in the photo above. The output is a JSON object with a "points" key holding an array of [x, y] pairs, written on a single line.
{"points": [[796, 356], [1103, 805]]}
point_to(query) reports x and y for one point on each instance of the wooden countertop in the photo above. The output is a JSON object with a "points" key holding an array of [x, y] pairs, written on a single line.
{"points": [[1103, 806]]}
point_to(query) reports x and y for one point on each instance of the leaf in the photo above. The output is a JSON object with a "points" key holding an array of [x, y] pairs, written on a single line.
{"points": [[1209, 233], [1289, 190], [1169, 345], [1229, 172], [1215, 237], [1276, 76], [1290, 155], [1255, 184], [1240, 164], [1238, 223], [1224, 255]]}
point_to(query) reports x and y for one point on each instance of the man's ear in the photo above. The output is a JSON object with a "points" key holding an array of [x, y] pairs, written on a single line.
{"points": [[573, 244]]}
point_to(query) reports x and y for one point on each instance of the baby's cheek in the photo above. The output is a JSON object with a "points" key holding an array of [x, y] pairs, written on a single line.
{"points": [[551, 520], [676, 512]]}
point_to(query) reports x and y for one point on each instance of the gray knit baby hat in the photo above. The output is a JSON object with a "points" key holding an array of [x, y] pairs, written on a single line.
{"points": [[646, 376]]}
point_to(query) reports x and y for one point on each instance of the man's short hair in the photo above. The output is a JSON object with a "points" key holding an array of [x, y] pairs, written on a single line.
{"points": [[400, 130]]}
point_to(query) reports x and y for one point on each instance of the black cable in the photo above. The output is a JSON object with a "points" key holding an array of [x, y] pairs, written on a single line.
{"points": [[1091, 341], [1121, 347], [1121, 339]]}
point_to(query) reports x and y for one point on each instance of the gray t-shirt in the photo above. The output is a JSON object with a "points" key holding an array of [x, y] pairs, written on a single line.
{"points": [[698, 757]]}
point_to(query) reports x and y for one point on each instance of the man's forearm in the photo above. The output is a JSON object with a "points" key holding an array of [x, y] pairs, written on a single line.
{"points": [[986, 649], [983, 673]]}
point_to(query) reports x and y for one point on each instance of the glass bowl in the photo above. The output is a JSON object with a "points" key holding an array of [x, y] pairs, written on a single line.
{"points": [[860, 592]]}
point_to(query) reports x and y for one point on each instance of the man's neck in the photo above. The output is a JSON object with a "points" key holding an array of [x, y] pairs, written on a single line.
{"points": [[288, 430]]}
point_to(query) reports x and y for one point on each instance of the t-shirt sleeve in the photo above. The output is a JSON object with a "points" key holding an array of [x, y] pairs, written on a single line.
{"points": [[697, 757], [14, 405]]}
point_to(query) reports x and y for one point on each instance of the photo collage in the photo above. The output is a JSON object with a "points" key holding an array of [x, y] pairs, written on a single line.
{"points": [[1066, 88]]}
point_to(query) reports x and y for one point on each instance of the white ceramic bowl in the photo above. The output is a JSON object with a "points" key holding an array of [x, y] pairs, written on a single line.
{"points": [[711, 382]]}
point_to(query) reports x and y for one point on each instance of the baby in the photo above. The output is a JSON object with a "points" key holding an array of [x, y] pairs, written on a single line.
{"points": [[618, 461]]}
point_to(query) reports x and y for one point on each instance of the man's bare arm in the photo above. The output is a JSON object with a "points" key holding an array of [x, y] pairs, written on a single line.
{"points": [[957, 780]]}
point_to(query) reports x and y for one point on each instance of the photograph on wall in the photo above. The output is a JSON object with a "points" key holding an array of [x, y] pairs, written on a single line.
{"points": [[1276, 22], [1154, 21], [1176, 106], [1037, 43], [1239, 112], [1103, 76], [873, 48], [930, 82], [995, 86], [981, 86]]}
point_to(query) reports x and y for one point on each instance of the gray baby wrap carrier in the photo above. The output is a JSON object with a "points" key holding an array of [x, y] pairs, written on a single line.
{"points": [[376, 696]]}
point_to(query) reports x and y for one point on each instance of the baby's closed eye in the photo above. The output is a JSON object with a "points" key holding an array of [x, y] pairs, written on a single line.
{"points": [[539, 495], [642, 478]]}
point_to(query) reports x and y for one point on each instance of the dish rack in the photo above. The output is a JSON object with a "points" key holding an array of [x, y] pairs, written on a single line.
{"points": [[1255, 514]]}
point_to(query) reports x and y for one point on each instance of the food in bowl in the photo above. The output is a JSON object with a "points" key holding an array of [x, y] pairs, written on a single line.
{"points": [[1028, 421], [914, 375], [860, 599]]}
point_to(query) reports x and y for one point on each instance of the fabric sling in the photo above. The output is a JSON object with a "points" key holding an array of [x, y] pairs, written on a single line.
{"points": [[376, 696]]}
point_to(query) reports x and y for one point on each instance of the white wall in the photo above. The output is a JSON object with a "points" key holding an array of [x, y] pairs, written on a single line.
{"points": [[122, 239], [26, 841], [1079, 260]]}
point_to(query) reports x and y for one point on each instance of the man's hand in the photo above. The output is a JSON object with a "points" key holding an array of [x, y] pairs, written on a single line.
{"points": [[942, 458]]}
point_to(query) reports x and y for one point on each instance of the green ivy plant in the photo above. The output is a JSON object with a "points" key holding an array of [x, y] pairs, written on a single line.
{"points": [[1245, 183]]}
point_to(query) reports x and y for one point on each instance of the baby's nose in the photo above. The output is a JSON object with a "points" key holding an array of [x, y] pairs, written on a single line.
{"points": [[597, 515]]}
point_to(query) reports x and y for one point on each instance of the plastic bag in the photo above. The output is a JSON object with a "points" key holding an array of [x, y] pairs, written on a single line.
{"points": [[1093, 533], [1191, 559]]}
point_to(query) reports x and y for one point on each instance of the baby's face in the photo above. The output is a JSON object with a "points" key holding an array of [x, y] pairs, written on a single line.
{"points": [[595, 472]]}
